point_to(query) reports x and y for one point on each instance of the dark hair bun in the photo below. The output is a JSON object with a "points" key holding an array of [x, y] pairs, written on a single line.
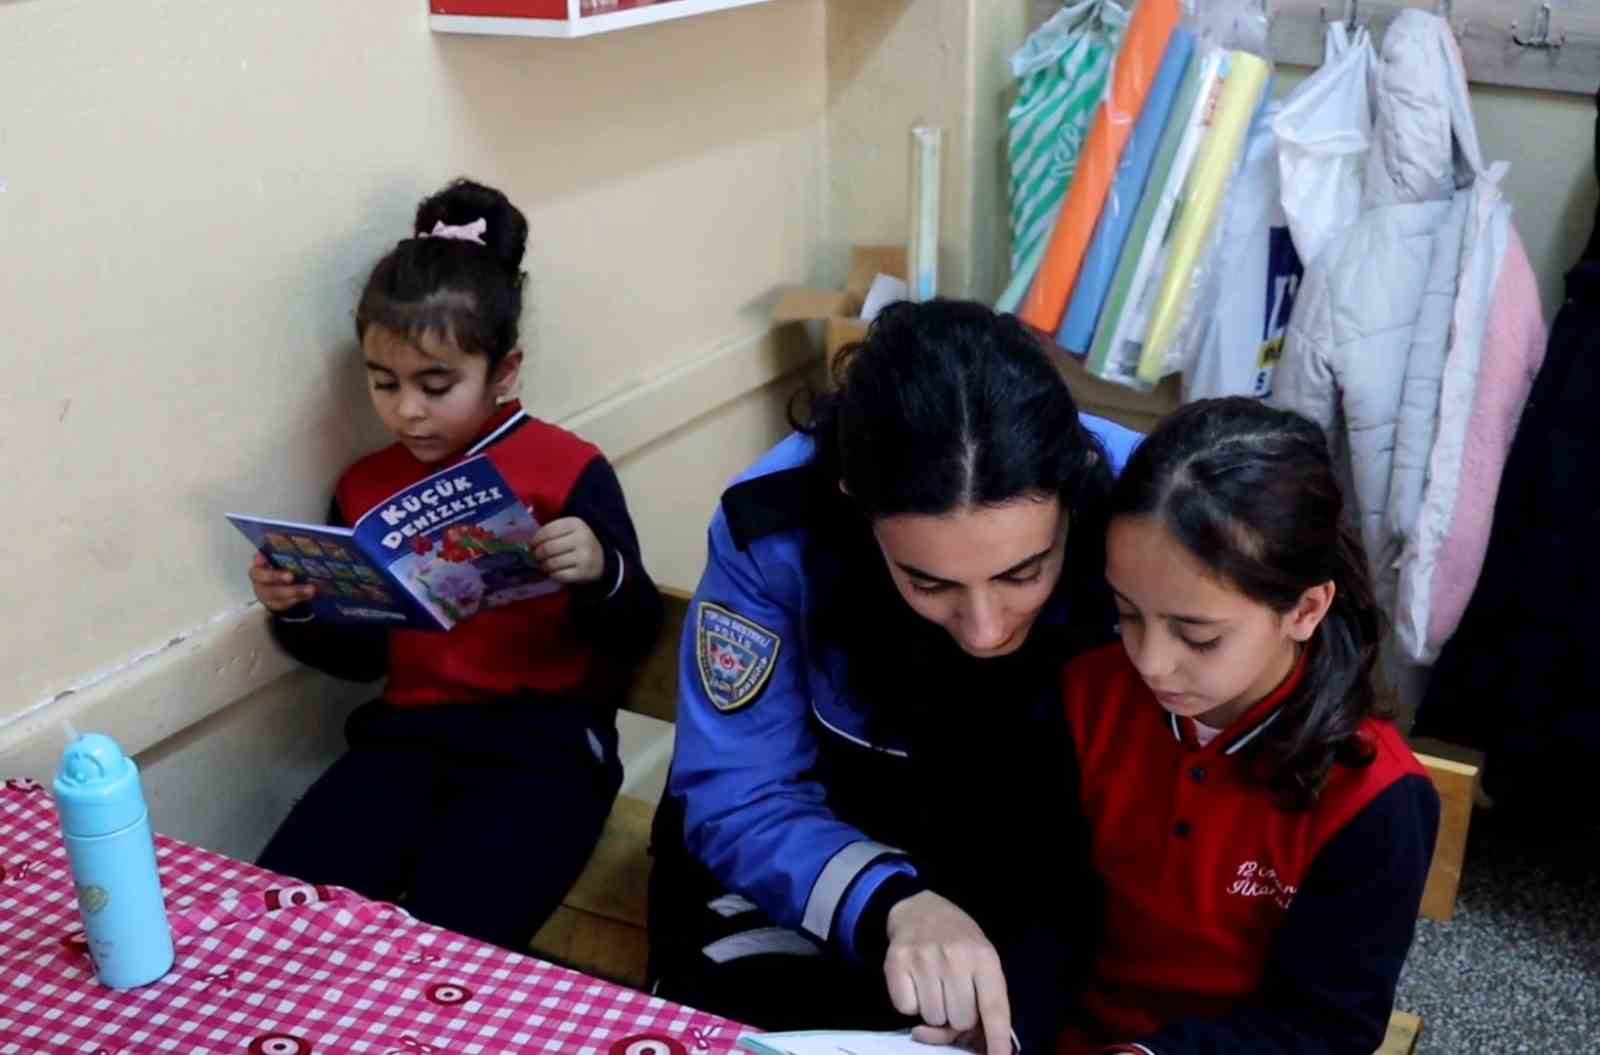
{"points": [[455, 287], [465, 202]]}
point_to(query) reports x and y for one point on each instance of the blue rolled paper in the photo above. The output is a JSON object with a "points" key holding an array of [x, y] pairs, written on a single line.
{"points": [[1111, 231]]}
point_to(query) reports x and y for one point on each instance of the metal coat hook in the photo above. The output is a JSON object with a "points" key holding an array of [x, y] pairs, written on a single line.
{"points": [[1544, 50], [1352, 14], [1541, 39], [1445, 9]]}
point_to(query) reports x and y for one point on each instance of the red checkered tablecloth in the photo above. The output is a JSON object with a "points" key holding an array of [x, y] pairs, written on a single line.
{"points": [[266, 966]]}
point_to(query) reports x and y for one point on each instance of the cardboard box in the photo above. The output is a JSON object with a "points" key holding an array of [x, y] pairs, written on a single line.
{"points": [[839, 310], [1140, 411]]}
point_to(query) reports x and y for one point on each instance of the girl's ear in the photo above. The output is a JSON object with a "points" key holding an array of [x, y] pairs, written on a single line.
{"points": [[1301, 621], [503, 382]]}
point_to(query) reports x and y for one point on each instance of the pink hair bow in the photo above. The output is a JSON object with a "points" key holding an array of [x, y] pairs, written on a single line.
{"points": [[467, 232]]}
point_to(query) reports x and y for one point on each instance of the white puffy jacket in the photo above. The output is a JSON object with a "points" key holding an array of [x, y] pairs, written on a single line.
{"points": [[1386, 341]]}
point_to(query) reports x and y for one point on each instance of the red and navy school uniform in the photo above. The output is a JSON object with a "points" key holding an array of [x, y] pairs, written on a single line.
{"points": [[573, 642], [479, 782], [1229, 923]]}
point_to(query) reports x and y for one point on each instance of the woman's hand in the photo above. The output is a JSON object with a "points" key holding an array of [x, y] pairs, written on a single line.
{"points": [[277, 589], [943, 970]]}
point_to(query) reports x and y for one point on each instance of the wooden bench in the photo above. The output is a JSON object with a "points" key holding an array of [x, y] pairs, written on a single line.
{"points": [[600, 929], [1405, 1030], [1455, 774]]}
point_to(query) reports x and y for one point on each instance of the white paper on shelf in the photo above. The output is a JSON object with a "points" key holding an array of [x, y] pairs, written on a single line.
{"points": [[885, 290]]}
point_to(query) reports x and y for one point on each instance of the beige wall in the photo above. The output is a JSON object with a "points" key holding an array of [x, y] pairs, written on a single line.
{"points": [[191, 194], [673, 483], [896, 63], [1549, 140], [194, 191]]}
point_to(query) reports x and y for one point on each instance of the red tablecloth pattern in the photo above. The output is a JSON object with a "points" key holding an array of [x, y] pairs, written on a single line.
{"points": [[269, 966]]}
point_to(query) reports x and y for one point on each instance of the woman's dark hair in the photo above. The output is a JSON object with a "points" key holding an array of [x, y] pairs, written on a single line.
{"points": [[1250, 492], [454, 288], [945, 405]]}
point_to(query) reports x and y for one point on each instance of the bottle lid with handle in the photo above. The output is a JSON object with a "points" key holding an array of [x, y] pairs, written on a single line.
{"points": [[97, 788]]}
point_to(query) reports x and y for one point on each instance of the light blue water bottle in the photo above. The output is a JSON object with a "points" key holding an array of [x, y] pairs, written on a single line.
{"points": [[107, 830]]}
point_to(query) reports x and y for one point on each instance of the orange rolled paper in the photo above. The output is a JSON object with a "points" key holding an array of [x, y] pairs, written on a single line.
{"points": [[1137, 62]]}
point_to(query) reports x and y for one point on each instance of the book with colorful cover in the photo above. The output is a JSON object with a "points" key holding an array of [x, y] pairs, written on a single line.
{"points": [[426, 558]]}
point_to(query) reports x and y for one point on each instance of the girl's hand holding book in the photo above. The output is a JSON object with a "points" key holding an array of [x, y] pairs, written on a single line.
{"points": [[276, 589], [568, 551]]}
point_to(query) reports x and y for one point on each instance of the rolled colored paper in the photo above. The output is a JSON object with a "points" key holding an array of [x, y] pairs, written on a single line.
{"points": [[1116, 219], [1202, 203], [1061, 70], [1017, 288], [1135, 71], [1123, 323], [927, 152]]}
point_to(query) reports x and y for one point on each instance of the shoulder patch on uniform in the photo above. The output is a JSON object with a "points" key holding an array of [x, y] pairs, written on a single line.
{"points": [[767, 504], [735, 655]]}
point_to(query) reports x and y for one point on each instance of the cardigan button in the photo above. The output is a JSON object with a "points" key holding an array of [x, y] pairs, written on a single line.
{"points": [[1198, 774], [1181, 829]]}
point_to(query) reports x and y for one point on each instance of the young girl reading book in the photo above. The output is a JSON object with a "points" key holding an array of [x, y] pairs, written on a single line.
{"points": [[478, 783], [1261, 832]]}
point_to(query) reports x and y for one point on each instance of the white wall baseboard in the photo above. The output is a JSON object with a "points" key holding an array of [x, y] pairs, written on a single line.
{"points": [[153, 696], [227, 782], [650, 410]]}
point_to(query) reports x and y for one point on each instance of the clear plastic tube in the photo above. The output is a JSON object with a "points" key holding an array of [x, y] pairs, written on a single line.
{"points": [[922, 255]]}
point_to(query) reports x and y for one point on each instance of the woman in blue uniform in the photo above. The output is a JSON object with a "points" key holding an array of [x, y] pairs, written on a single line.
{"points": [[857, 830]]}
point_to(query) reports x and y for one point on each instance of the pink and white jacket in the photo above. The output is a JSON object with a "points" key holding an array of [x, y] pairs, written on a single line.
{"points": [[1416, 335]]}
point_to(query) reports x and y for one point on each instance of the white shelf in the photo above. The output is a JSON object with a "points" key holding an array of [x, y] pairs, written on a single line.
{"points": [[585, 26]]}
